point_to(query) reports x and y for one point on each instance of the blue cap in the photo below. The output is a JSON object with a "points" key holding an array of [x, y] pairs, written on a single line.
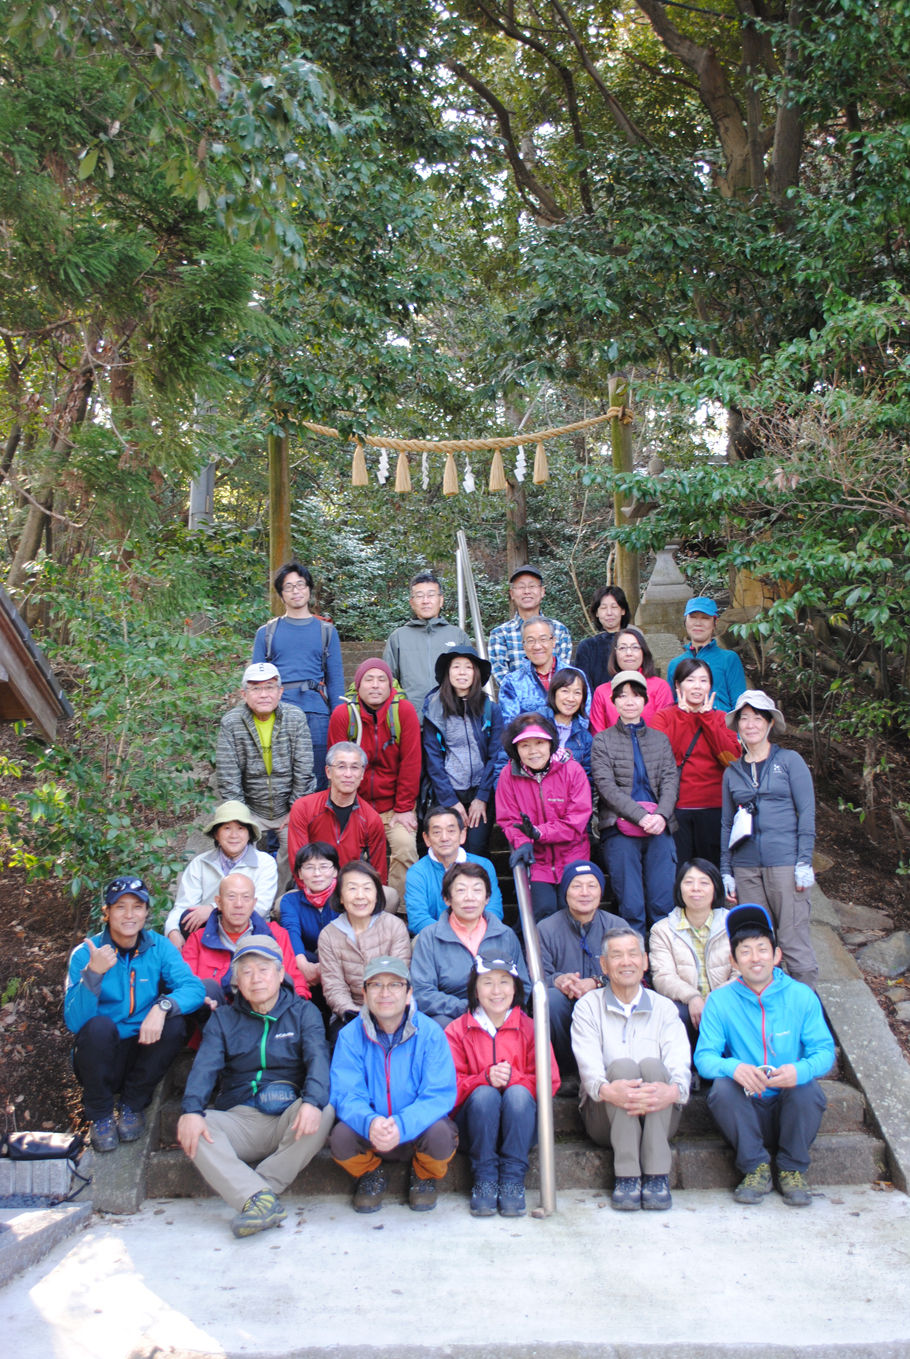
{"points": [[701, 604], [750, 915], [121, 887], [577, 869]]}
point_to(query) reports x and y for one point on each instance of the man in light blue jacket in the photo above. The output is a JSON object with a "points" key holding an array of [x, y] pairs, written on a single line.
{"points": [[764, 1042], [393, 1087]]}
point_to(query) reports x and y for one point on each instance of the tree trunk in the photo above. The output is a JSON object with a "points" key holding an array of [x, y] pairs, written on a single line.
{"points": [[67, 417], [627, 563], [279, 510], [516, 526]]}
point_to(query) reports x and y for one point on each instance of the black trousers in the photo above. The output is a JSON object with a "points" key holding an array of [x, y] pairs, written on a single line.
{"points": [[108, 1066]]}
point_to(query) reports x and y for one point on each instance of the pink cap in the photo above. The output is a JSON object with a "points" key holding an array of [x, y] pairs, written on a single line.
{"points": [[534, 734]]}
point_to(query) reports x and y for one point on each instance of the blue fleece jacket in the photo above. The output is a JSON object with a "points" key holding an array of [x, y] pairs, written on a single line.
{"points": [[131, 987], [784, 1024], [412, 1082]]}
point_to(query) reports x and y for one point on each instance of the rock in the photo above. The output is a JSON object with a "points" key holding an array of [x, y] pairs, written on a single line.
{"points": [[854, 917], [821, 862], [887, 957], [853, 938], [896, 993], [902, 1011]]}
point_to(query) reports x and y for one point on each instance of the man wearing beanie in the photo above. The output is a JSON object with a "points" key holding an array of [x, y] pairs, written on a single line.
{"points": [[386, 726], [764, 1042], [570, 948]]}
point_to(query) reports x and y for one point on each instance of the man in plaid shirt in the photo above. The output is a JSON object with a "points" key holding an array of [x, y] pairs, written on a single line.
{"points": [[506, 649]]}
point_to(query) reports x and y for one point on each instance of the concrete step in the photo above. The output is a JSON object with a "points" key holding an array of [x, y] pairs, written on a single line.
{"points": [[845, 1114], [698, 1163]]}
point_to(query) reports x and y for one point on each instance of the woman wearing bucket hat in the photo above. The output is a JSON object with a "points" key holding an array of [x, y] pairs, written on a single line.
{"points": [[462, 742], [235, 831], [768, 829]]}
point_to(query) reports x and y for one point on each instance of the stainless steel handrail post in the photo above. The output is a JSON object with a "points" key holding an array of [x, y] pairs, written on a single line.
{"points": [[459, 585], [546, 1148]]}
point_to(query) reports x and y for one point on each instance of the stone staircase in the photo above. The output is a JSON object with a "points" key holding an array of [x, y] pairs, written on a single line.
{"points": [[846, 1152]]}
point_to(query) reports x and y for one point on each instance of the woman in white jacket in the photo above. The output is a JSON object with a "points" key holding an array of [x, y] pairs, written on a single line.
{"points": [[235, 831], [689, 948]]}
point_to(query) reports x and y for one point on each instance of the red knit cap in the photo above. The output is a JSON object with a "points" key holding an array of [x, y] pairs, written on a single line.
{"points": [[374, 663]]}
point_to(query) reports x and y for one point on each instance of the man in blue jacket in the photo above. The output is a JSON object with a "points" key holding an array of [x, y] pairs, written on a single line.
{"points": [[128, 992], [726, 667], [764, 1042], [393, 1086], [444, 836], [267, 1053]]}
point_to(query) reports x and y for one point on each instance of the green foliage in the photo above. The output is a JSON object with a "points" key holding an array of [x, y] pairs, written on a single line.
{"points": [[136, 760]]}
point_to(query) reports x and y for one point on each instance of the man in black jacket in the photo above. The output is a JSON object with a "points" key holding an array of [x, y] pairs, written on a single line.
{"points": [[272, 1112]]}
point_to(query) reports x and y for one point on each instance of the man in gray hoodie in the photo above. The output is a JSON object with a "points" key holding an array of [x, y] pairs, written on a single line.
{"points": [[411, 651]]}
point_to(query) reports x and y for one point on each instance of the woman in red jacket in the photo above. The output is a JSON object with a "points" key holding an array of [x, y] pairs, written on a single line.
{"points": [[703, 746], [496, 1109]]}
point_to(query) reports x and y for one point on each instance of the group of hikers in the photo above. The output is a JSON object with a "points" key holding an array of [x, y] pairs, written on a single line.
{"points": [[339, 959]]}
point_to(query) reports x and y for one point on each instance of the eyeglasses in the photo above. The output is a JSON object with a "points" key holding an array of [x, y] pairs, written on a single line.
{"points": [[294, 587], [628, 646], [422, 596], [264, 686], [393, 987]]}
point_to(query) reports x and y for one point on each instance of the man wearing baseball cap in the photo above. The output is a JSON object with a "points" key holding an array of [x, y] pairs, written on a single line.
{"points": [[726, 667], [272, 1111], [264, 758], [506, 645], [128, 993], [764, 1042], [393, 1087]]}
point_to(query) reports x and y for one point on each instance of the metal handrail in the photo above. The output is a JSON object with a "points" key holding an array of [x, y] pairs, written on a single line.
{"points": [[466, 587], [546, 1148]]}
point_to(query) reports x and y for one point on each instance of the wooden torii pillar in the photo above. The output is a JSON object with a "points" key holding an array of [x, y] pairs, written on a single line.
{"points": [[279, 511]]}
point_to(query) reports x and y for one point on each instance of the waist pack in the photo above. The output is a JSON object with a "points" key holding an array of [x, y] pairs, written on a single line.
{"points": [[632, 827]]}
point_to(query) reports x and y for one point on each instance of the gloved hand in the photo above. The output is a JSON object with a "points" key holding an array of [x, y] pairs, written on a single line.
{"points": [[730, 885], [524, 854], [805, 876], [527, 825]]}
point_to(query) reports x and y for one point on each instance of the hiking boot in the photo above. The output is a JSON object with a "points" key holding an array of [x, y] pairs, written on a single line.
{"points": [[421, 1194], [512, 1199], [369, 1191], [655, 1193], [131, 1123], [753, 1187], [104, 1134], [794, 1188], [483, 1198], [626, 1196], [261, 1211]]}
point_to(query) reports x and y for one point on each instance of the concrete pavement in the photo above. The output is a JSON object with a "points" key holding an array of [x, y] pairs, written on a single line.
{"points": [[708, 1278]]}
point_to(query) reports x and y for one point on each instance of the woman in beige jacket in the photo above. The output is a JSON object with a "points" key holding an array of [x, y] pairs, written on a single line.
{"points": [[689, 948], [363, 930]]}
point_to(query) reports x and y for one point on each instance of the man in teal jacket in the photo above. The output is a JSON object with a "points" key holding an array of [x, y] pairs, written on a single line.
{"points": [[393, 1086], [726, 668], [764, 1042], [128, 992]]}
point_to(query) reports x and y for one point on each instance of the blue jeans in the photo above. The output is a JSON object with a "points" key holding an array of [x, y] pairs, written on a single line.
{"points": [[499, 1128], [561, 1009], [642, 871], [318, 724]]}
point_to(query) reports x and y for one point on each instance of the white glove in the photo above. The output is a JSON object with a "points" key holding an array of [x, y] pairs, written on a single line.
{"points": [[729, 884], [804, 875]]}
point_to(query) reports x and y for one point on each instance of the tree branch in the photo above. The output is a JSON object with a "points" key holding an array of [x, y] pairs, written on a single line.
{"points": [[633, 134], [527, 182]]}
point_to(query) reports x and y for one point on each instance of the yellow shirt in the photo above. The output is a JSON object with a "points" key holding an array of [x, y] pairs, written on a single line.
{"points": [[265, 726]]}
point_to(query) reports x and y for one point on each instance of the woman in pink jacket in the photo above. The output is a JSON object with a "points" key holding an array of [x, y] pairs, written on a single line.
{"points": [[543, 807], [631, 652], [496, 1108]]}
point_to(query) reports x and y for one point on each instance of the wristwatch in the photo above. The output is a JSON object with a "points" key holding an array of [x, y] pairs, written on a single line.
{"points": [[165, 1003]]}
